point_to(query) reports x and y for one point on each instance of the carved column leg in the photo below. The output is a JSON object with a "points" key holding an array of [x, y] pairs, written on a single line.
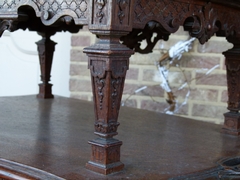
{"points": [[232, 118], [46, 49], [108, 63]]}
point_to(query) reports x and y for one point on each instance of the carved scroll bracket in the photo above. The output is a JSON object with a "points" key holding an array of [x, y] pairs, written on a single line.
{"points": [[100, 5], [204, 25], [7, 25], [134, 39]]}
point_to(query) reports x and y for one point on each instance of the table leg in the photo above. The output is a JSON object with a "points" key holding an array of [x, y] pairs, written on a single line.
{"points": [[46, 49], [232, 118], [108, 63]]}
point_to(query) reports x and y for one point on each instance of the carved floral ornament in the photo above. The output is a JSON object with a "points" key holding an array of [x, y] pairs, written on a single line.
{"points": [[122, 4], [204, 25], [202, 22], [100, 5]]}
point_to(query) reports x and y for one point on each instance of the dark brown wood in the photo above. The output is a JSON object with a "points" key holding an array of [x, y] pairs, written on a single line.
{"points": [[46, 49], [232, 118], [15, 171], [108, 69], [51, 134], [132, 22]]}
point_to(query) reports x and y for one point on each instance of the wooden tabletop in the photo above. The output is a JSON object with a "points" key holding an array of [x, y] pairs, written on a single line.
{"points": [[52, 135]]}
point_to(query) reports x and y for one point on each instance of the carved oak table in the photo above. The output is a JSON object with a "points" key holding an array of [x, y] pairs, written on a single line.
{"points": [[130, 21]]}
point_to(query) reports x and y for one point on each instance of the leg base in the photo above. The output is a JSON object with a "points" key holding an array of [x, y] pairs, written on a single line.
{"points": [[108, 169], [231, 123], [105, 157], [45, 91]]}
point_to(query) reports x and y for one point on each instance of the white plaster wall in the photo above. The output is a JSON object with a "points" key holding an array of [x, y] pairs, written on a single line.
{"points": [[19, 64]]}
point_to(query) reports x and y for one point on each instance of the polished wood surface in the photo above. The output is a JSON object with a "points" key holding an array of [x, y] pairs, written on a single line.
{"points": [[52, 134], [121, 26]]}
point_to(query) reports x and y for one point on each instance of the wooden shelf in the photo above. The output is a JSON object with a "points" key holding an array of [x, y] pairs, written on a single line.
{"points": [[51, 135]]}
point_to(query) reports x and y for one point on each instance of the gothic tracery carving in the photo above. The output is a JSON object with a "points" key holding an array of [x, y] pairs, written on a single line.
{"points": [[51, 11], [206, 19]]}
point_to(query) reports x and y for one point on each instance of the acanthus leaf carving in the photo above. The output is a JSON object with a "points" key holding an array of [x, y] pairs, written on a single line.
{"points": [[99, 79]]}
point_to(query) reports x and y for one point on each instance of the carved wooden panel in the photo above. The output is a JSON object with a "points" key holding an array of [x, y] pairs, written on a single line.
{"points": [[200, 18], [50, 10]]}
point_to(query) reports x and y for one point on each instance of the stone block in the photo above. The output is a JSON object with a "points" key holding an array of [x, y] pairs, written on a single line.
{"points": [[82, 41], [79, 70], [224, 97], [197, 61], [208, 95], [214, 46], [132, 73], [80, 85], [210, 111], [212, 79], [78, 56]]}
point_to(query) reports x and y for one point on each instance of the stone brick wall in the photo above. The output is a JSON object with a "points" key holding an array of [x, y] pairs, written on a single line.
{"points": [[208, 93]]}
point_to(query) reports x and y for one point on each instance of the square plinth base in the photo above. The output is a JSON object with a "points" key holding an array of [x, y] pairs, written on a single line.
{"points": [[105, 158], [231, 123], [45, 91]]}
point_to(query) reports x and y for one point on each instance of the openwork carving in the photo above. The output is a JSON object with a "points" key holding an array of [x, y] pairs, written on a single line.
{"points": [[202, 21], [79, 7], [122, 4], [169, 13], [133, 40], [100, 6], [51, 11]]}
